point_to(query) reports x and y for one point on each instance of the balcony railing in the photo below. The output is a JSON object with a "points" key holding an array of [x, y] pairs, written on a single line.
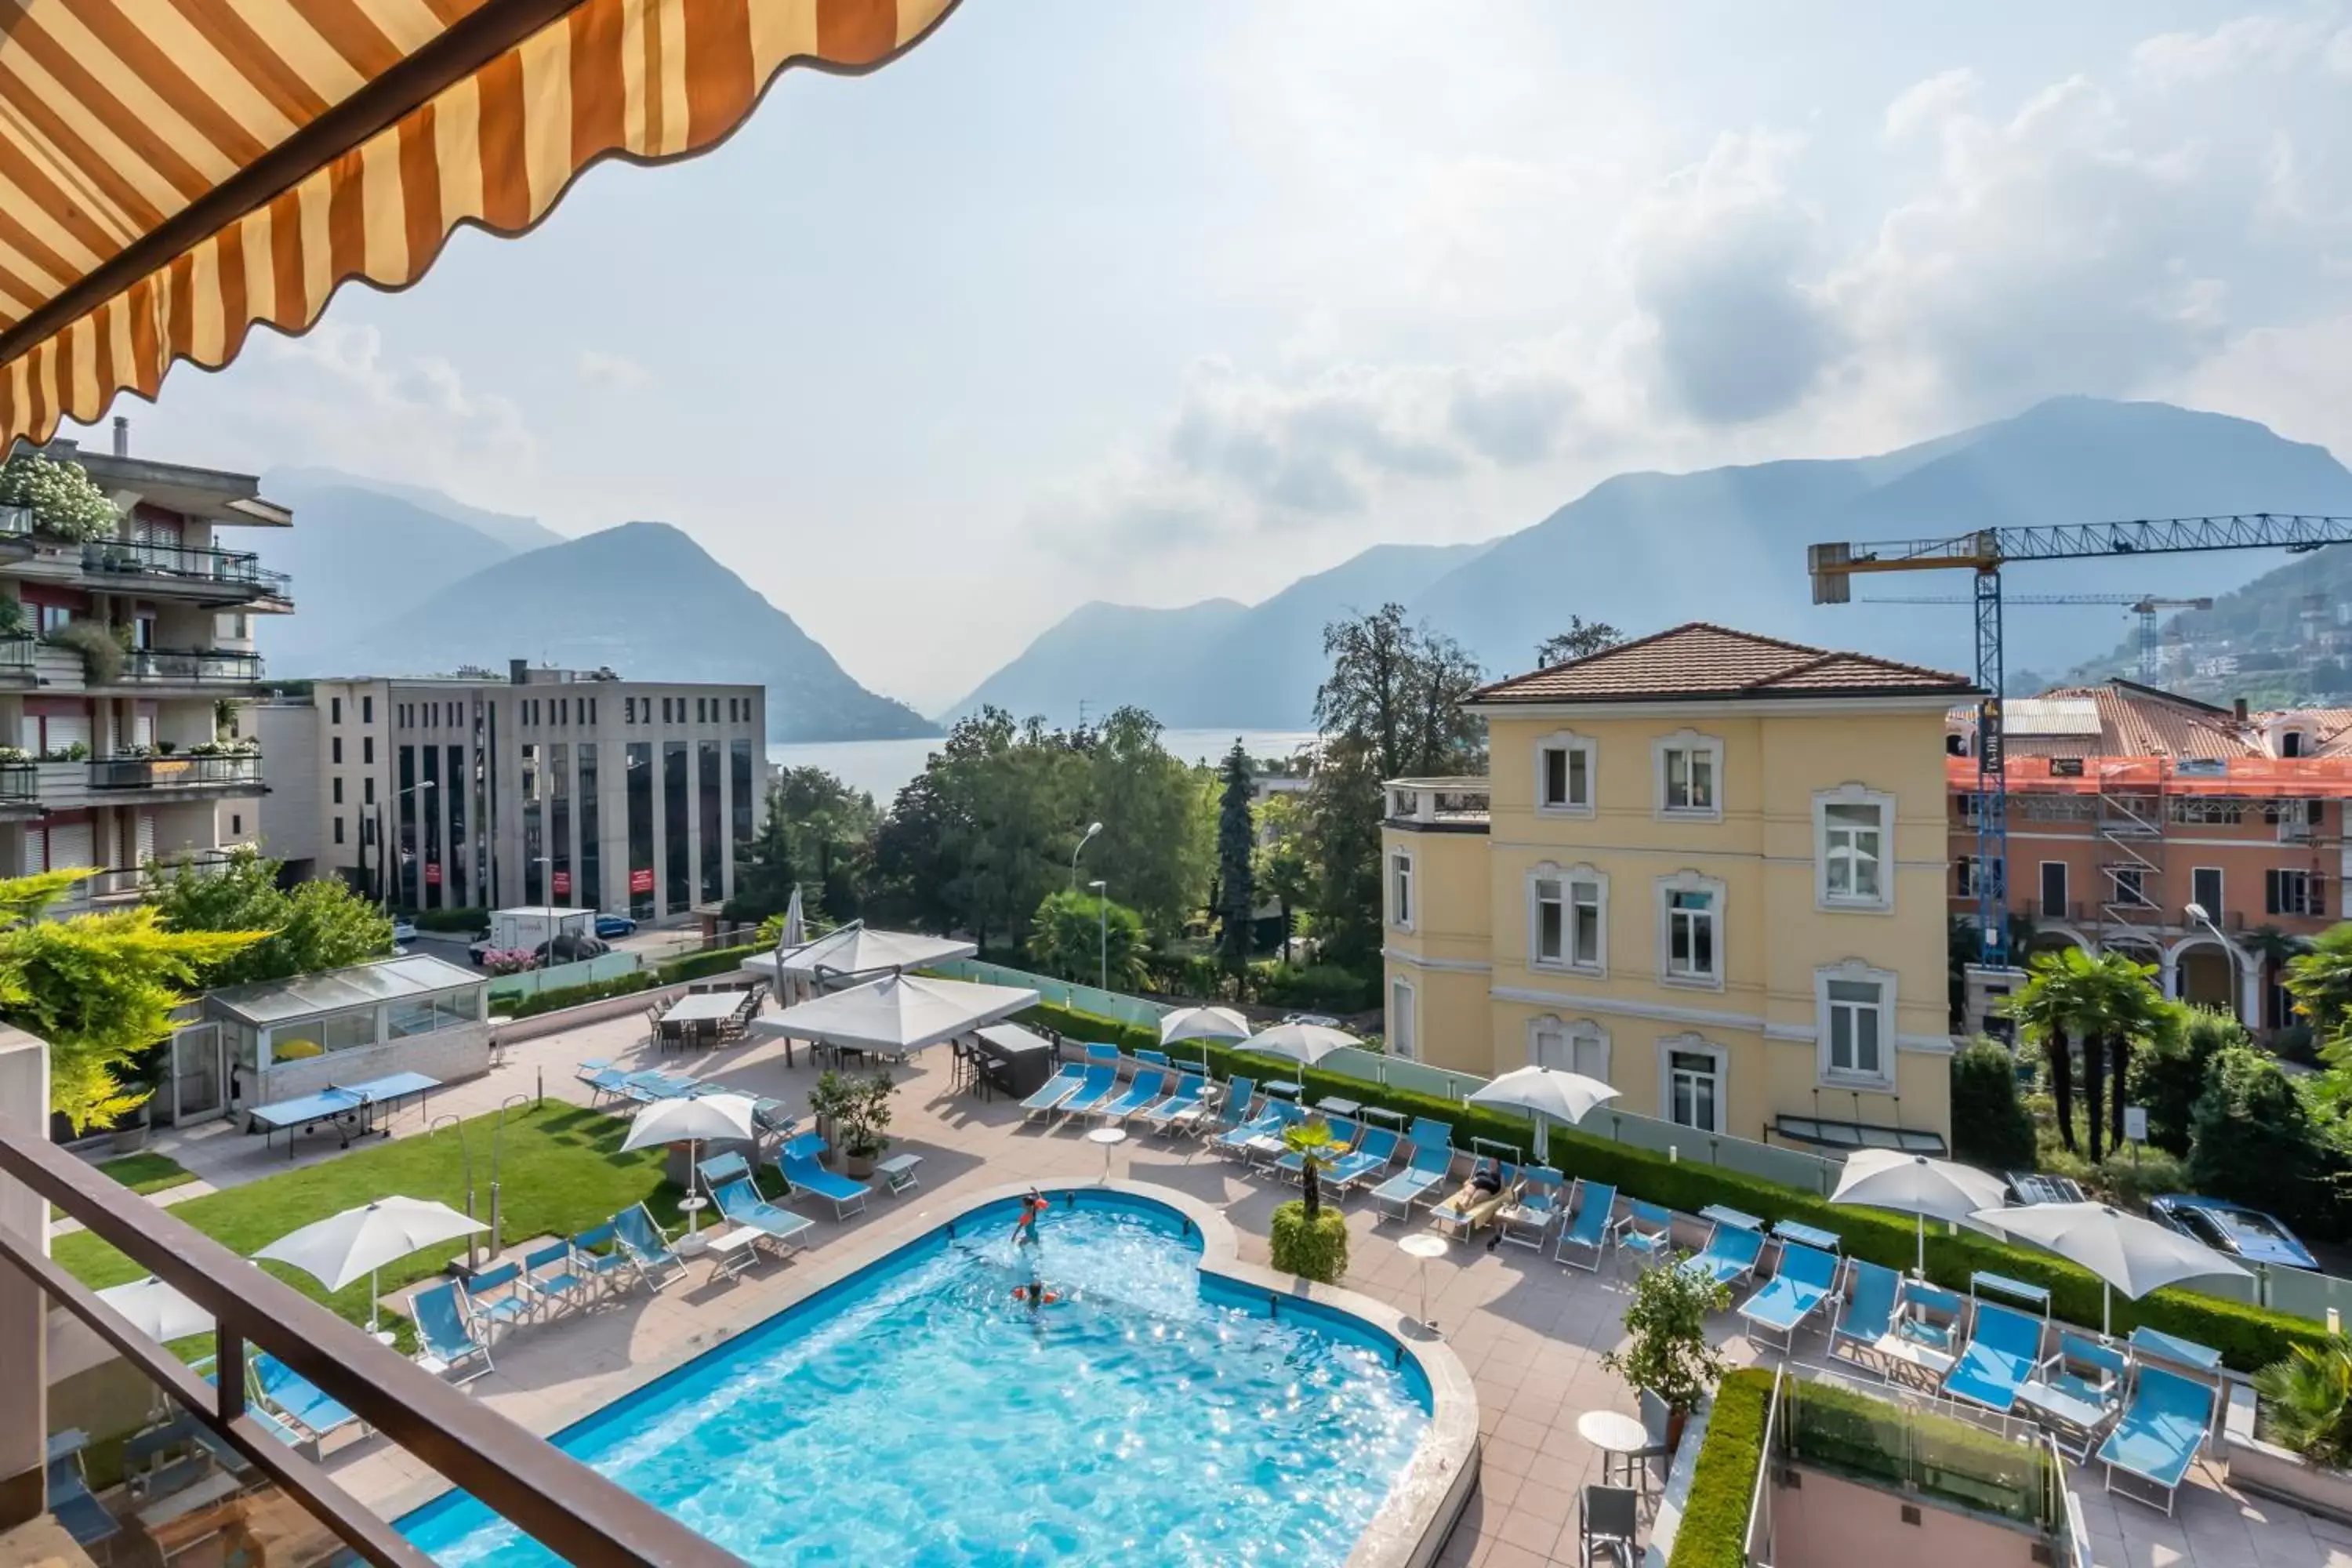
{"points": [[575, 1513], [17, 655], [173, 773], [131, 558], [190, 666], [20, 781], [16, 519]]}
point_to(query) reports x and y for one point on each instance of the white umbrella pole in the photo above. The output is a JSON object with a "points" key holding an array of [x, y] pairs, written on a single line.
{"points": [[1921, 1268], [1543, 1139], [2106, 1310], [374, 1303], [692, 1213]]}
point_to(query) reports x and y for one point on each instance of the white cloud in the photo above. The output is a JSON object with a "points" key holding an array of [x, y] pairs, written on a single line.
{"points": [[1931, 101], [2270, 42], [613, 373]]}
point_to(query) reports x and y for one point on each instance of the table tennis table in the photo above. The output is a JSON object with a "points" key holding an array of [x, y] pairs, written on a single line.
{"points": [[348, 1110]]}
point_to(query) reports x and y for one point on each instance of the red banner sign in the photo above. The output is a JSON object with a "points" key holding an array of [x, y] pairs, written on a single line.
{"points": [[432, 873], [642, 881], [563, 884]]}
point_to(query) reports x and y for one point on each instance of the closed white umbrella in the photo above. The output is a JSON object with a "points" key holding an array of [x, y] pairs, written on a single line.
{"points": [[337, 1250], [1548, 1094], [724, 1117], [1305, 1044], [795, 927], [157, 1310], [2127, 1253], [1202, 1024], [1914, 1185]]}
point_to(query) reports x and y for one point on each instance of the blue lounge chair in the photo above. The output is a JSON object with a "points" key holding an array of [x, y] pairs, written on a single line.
{"points": [[1647, 1233], [1152, 1059], [721, 1169], [1233, 1108], [1425, 1170], [1867, 1315], [1056, 1089], [740, 1202], [647, 1245], [1588, 1225], [446, 1331], [605, 1081], [2003, 1348], [73, 1504], [1284, 1114], [597, 1253], [1364, 1162], [1100, 1082], [1527, 1221], [2159, 1433], [773, 1118], [2151, 1345], [1237, 1139], [2076, 1392], [802, 1169], [1729, 1255], [1149, 1085], [550, 1274], [498, 1298], [1446, 1217], [1806, 1278], [304, 1403], [1186, 1098], [1291, 1164]]}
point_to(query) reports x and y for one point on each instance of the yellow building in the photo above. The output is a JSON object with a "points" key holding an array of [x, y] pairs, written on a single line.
{"points": [[1706, 867]]}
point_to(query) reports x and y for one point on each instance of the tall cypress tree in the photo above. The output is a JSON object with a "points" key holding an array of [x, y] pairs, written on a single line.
{"points": [[1236, 839]]}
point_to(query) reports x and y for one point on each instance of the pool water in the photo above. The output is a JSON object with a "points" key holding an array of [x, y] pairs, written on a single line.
{"points": [[918, 1413]]}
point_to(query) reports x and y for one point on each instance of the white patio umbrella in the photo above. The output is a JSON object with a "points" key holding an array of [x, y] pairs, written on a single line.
{"points": [[338, 1250], [157, 1310], [1915, 1184], [1202, 1024], [1549, 1095], [2127, 1253], [795, 927], [723, 1117], [897, 1012], [1305, 1044]]}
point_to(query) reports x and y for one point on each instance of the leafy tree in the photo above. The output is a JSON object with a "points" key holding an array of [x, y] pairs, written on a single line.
{"points": [[2320, 981], [2108, 1003], [99, 988], [2168, 1076], [819, 832], [2049, 1011], [1990, 1126], [315, 926], [2137, 1013], [1157, 844], [1077, 936], [1236, 844], [1317, 1148], [64, 503], [1667, 1353], [2251, 1138], [1582, 639], [1282, 873]]}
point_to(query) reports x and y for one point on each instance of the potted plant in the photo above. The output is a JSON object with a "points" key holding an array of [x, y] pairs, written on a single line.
{"points": [[863, 1121], [1667, 1355], [1306, 1239], [829, 1104], [131, 1130], [2290, 1434]]}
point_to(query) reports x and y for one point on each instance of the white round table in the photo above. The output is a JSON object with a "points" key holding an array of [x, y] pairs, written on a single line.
{"points": [[691, 1243], [1617, 1435], [1423, 1245], [1109, 1138]]}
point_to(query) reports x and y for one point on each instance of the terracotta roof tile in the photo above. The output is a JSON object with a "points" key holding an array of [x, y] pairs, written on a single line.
{"points": [[1701, 660], [2136, 721]]}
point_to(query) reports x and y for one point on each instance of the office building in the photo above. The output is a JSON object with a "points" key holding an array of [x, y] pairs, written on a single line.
{"points": [[572, 788]]}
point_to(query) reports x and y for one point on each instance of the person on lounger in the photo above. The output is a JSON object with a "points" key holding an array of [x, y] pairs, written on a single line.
{"points": [[1482, 1197]]}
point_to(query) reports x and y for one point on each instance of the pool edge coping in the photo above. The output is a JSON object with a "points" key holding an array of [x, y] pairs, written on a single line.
{"points": [[1409, 1530]]}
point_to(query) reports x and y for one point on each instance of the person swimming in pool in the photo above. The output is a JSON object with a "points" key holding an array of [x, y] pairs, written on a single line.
{"points": [[1025, 1229]]}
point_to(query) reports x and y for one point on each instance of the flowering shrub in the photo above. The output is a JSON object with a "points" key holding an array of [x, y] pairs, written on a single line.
{"points": [[64, 503], [508, 960]]}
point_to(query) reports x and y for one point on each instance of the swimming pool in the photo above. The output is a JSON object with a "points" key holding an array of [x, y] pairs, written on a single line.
{"points": [[917, 1412]]}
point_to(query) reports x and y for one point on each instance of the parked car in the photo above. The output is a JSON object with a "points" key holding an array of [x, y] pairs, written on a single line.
{"points": [[2033, 1187], [404, 930], [2231, 1228], [611, 926], [1324, 1020]]}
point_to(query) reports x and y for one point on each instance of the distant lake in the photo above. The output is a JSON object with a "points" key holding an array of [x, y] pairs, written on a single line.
{"points": [[882, 768]]}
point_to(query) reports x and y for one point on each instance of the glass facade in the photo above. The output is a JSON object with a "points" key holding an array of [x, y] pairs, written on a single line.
{"points": [[591, 881], [640, 792], [709, 788], [458, 882], [677, 880], [403, 820], [486, 803], [558, 823], [428, 805], [534, 830], [746, 800]]}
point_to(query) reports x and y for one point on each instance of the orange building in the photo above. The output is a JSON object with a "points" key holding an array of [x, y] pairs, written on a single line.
{"points": [[2128, 806]]}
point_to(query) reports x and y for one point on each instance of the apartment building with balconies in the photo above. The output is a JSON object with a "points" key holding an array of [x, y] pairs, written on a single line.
{"points": [[1704, 869], [571, 788], [117, 754]]}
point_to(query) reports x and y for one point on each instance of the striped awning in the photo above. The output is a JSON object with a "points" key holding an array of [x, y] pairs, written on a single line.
{"points": [[172, 172]]}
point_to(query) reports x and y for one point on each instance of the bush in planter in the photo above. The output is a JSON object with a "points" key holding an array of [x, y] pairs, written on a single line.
{"points": [[1668, 1354], [854, 1113], [104, 650], [1314, 1247], [2307, 1401], [1714, 1531], [64, 502]]}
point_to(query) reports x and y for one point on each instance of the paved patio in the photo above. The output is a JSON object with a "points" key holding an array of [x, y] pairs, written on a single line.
{"points": [[1530, 1333]]}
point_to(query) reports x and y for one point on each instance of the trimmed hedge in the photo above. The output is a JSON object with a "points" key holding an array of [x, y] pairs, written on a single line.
{"points": [[2247, 1336], [466, 920], [1319, 1251], [563, 996], [1714, 1530], [697, 965]]}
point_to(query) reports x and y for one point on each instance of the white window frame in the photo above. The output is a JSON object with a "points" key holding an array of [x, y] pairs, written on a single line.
{"points": [[1573, 1037], [1404, 1000], [1882, 902], [1399, 918], [1570, 880], [1574, 745], [1693, 1044], [1854, 971], [1691, 741], [1690, 882]]}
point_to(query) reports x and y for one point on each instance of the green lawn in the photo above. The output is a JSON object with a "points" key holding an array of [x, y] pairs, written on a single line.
{"points": [[561, 1172], [147, 1173]]}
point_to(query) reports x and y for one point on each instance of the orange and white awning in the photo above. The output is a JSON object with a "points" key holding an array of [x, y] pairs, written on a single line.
{"points": [[172, 172]]}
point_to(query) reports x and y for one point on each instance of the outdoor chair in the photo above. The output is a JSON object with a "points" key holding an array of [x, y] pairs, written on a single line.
{"points": [[1449, 1215], [1148, 1086], [2076, 1392], [2003, 1347], [562, 1283], [1238, 1139], [1152, 1059], [721, 1168], [1866, 1314], [799, 1161], [498, 1299], [605, 1083], [2148, 1344], [597, 1253], [1232, 1107], [1424, 1172], [1588, 1227], [773, 1117], [2156, 1440], [1283, 1115], [1928, 1315], [72, 1503], [1057, 1088], [444, 1330], [310, 1408], [1611, 1516], [780, 1228], [1805, 1280], [1655, 1420], [1291, 1164], [1365, 1162], [647, 1245], [1100, 1082], [1646, 1233], [1729, 1254], [1529, 1219], [1162, 1116]]}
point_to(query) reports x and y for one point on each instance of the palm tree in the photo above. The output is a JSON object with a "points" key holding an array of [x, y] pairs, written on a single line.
{"points": [[2320, 981], [2277, 951], [2057, 997], [2134, 1013], [1313, 1142]]}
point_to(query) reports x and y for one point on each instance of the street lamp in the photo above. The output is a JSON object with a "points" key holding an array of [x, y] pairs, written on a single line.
{"points": [[2198, 912], [1102, 918], [1084, 839]]}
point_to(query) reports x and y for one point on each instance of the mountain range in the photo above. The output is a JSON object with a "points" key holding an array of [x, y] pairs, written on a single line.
{"points": [[398, 580], [1645, 551]]}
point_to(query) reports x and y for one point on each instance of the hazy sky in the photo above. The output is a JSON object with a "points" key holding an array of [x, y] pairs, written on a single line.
{"points": [[1156, 301]]}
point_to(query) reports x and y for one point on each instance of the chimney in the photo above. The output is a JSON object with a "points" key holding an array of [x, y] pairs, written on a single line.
{"points": [[518, 672], [2239, 708], [122, 434]]}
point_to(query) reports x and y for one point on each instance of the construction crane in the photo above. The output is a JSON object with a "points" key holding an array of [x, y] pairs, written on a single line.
{"points": [[1985, 552], [2144, 606]]}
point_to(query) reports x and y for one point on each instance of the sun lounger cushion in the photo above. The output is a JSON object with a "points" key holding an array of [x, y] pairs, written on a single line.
{"points": [[2003, 1346], [2162, 1427]]}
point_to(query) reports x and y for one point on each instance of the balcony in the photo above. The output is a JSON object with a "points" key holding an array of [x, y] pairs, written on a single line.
{"points": [[18, 656], [186, 666], [20, 784], [1438, 805], [15, 522], [164, 565], [175, 773]]}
